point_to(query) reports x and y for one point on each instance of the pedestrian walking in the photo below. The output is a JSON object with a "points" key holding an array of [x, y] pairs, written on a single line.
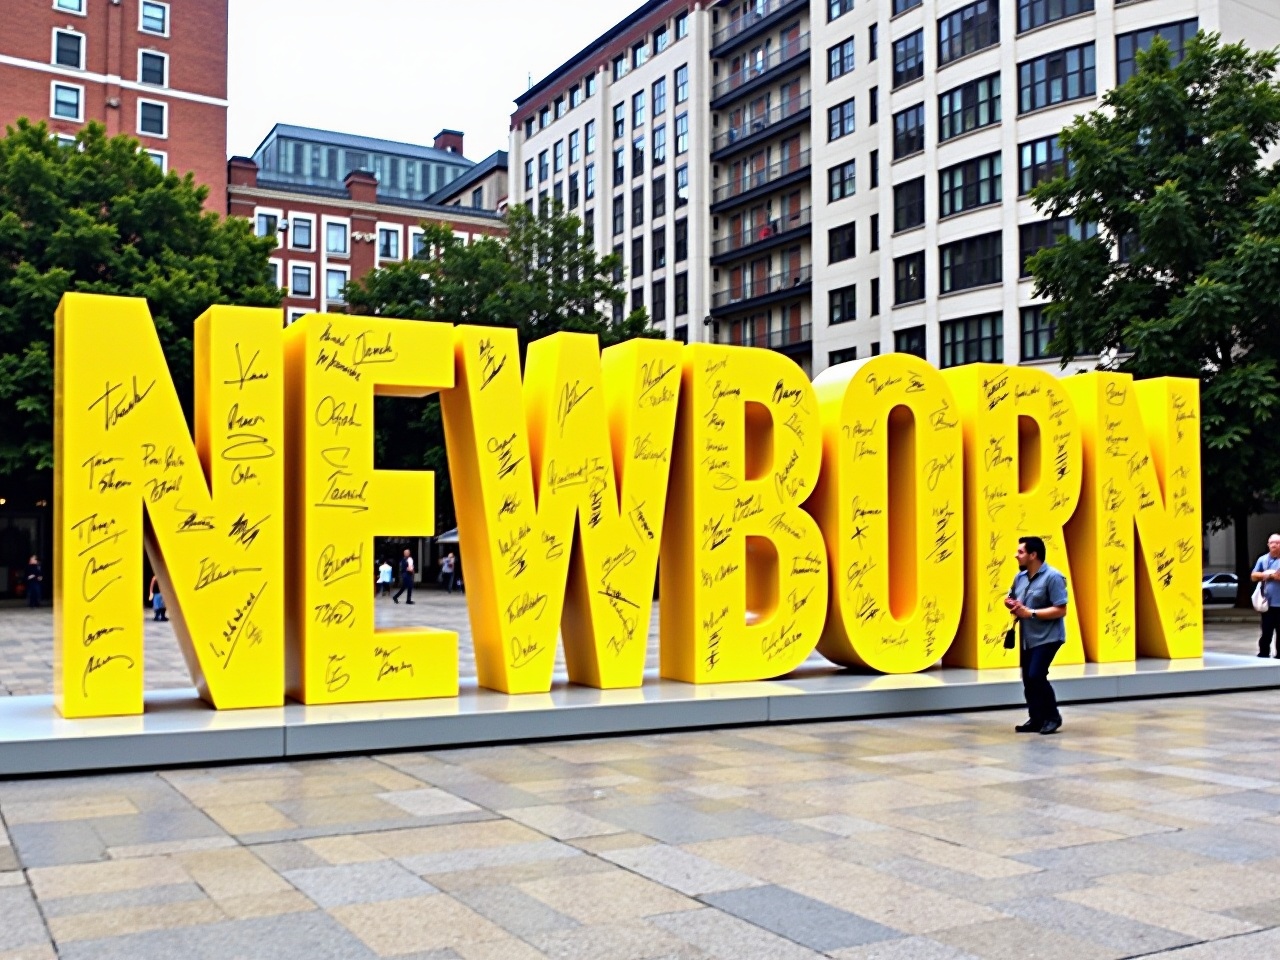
{"points": [[1266, 574], [446, 572], [406, 578], [35, 581], [384, 578], [1038, 599], [157, 601]]}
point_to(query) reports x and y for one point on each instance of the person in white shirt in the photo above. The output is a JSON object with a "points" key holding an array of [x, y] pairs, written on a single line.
{"points": [[384, 578]]}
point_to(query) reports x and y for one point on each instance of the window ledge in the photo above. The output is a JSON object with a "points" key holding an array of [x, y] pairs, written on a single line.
{"points": [[1060, 103], [908, 156], [961, 213], [908, 303], [955, 138], [906, 230], [908, 84], [1074, 16], [968, 56], [986, 286]]}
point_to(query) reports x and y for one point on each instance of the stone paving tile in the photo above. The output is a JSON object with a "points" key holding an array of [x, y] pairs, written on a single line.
{"points": [[680, 870], [721, 935], [1131, 937], [340, 886], [514, 910], [808, 922]]}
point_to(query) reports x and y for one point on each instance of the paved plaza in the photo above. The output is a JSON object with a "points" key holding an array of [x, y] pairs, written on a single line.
{"points": [[1146, 829]]}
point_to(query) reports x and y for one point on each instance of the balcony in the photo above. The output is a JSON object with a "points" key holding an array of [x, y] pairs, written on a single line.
{"points": [[752, 76], [754, 22], [755, 183], [789, 340], [756, 292], [794, 111], [785, 229]]}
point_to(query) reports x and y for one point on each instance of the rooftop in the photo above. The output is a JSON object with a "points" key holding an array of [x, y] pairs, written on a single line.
{"points": [[495, 161], [354, 142]]}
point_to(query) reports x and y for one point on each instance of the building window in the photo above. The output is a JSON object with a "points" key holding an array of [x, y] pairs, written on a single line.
{"points": [[589, 135], [659, 197], [153, 118], [589, 181], [838, 8], [682, 26], [68, 102], [659, 145], [388, 243], [910, 340], [973, 183], [575, 96], [69, 6], [969, 106], [1037, 333], [68, 49], [153, 68], [908, 205], [1056, 78], [302, 281], [908, 58], [659, 248], [902, 6], [682, 134], [589, 85], [682, 83], [637, 206], [873, 42], [154, 18], [637, 109], [589, 225], [334, 282], [1039, 160], [300, 233], [875, 231], [275, 267], [875, 169], [544, 166], [875, 296], [528, 127], [682, 294], [661, 39], [659, 301], [682, 241], [640, 54], [619, 166], [682, 186], [560, 108], [972, 340], [841, 120], [619, 120], [637, 157], [971, 28], [1036, 13], [908, 131], [1034, 237], [840, 59], [620, 68], [837, 357], [908, 278], [842, 181], [267, 224], [335, 238], [637, 256], [619, 216], [575, 146], [971, 262], [558, 156], [844, 305], [842, 243], [620, 267], [1128, 45], [873, 106], [544, 118], [573, 191]]}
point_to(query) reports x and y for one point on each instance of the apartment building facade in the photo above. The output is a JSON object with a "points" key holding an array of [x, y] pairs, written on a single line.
{"points": [[857, 170], [153, 70]]}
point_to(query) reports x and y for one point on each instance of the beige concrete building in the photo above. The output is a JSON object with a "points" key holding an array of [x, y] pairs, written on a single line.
{"points": [[838, 178]]}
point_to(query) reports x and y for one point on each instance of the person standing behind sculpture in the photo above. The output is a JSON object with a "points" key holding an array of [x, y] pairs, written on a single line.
{"points": [[447, 572], [157, 601], [406, 578], [35, 581], [384, 578], [1266, 573], [1039, 600]]}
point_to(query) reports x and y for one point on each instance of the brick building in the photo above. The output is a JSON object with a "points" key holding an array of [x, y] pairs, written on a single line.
{"points": [[153, 70], [341, 205]]}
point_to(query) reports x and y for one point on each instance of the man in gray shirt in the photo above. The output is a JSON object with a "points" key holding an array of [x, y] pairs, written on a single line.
{"points": [[1267, 572], [1039, 600]]}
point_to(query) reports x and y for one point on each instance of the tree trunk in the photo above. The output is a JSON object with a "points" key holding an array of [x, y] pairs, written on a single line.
{"points": [[1244, 561]]}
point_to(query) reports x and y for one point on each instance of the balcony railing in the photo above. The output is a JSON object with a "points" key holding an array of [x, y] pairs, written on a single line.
{"points": [[751, 179], [761, 234], [753, 287], [761, 123], [761, 10], [775, 339], [789, 50]]}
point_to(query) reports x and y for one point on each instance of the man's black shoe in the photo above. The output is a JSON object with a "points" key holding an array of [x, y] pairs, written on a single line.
{"points": [[1265, 654], [1031, 726], [395, 599], [408, 601], [1051, 726]]}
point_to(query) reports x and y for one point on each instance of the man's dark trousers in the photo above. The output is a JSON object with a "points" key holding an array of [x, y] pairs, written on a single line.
{"points": [[406, 583], [1041, 702], [1270, 627]]}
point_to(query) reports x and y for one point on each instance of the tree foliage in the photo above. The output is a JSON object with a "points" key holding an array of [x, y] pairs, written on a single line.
{"points": [[1183, 278], [543, 277], [100, 217]]}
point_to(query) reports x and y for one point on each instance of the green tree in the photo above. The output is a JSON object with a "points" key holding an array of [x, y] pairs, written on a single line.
{"points": [[541, 278], [1183, 277], [100, 217]]}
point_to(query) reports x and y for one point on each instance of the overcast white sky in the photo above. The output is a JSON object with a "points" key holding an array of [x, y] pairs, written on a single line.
{"points": [[399, 69]]}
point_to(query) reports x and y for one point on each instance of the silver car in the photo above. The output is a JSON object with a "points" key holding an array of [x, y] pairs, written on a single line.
{"points": [[1219, 587]]}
